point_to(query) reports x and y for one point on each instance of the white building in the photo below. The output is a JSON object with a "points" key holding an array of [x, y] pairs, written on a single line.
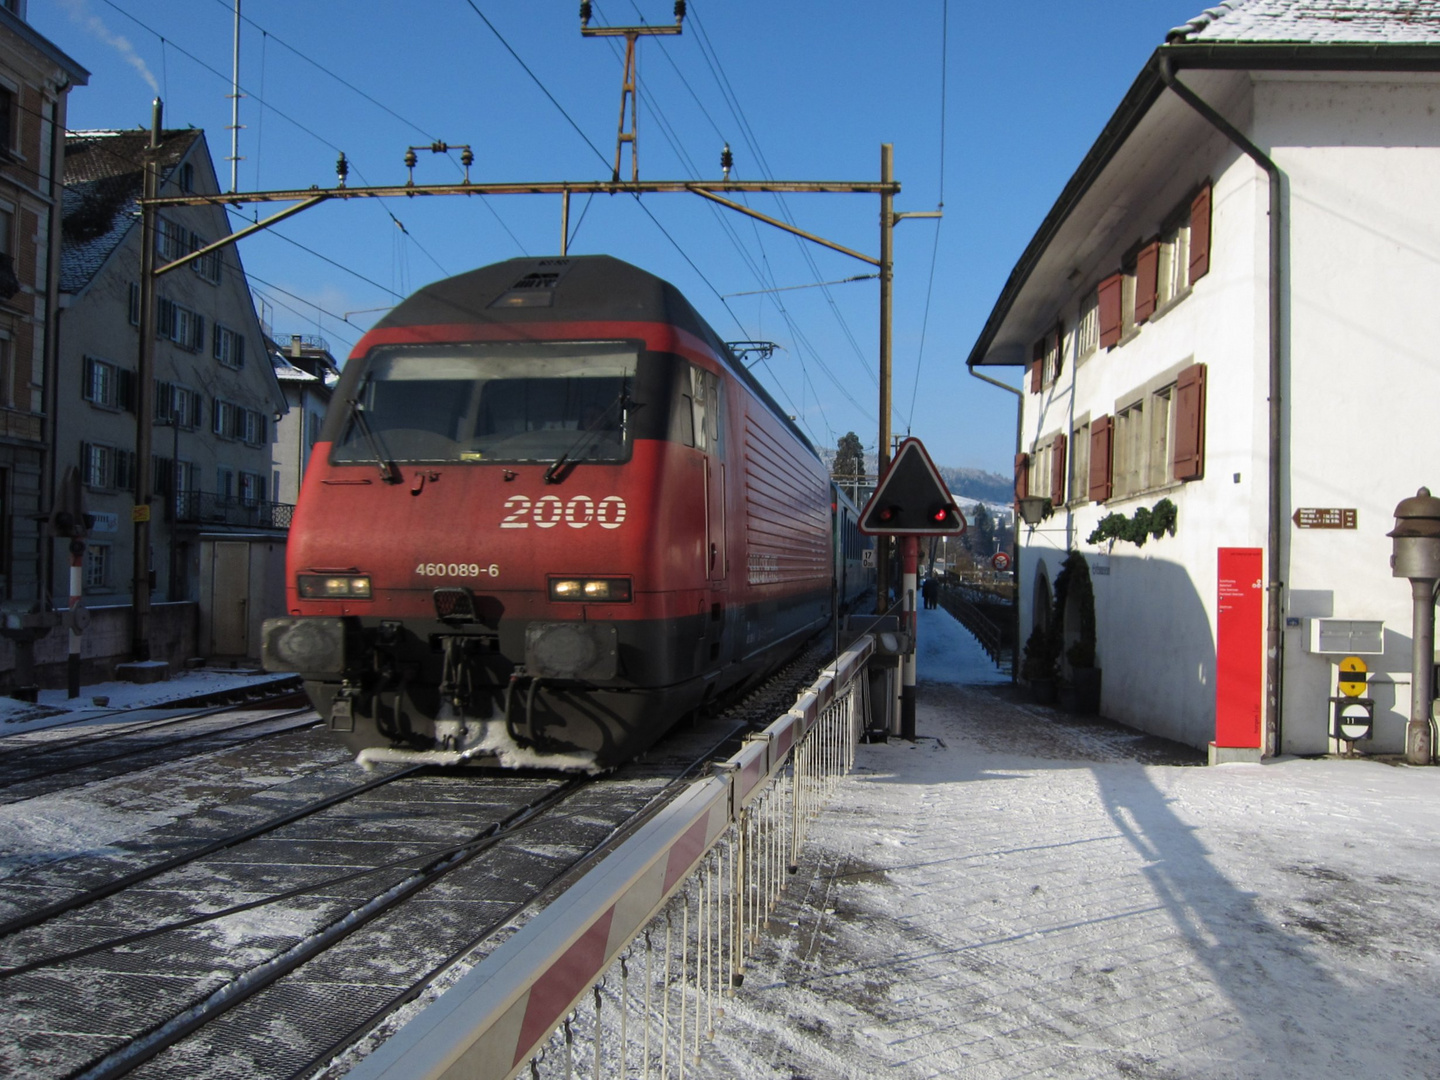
{"points": [[307, 374], [1142, 311]]}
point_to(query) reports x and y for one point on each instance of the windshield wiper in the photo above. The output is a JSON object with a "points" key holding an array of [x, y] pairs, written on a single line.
{"points": [[552, 474], [388, 472]]}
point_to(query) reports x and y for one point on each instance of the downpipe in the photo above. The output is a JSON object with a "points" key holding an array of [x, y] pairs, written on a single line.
{"points": [[1274, 586]]}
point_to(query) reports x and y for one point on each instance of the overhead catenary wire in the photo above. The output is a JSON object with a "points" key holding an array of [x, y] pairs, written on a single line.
{"points": [[278, 112], [571, 121], [935, 250]]}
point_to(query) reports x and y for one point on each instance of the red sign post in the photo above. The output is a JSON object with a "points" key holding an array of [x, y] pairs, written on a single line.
{"points": [[1239, 648]]}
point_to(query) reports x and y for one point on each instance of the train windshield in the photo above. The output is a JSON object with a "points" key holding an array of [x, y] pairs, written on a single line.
{"points": [[521, 402]]}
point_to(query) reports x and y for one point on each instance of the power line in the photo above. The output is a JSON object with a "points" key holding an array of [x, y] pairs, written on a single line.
{"points": [[935, 250]]}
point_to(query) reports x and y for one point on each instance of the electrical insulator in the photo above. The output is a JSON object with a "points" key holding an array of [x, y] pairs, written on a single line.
{"points": [[727, 161], [584, 12]]}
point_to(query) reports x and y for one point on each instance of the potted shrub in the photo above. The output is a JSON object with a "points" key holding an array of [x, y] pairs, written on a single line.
{"points": [[1039, 666], [1073, 581]]}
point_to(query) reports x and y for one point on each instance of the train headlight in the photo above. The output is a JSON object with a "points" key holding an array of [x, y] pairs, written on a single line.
{"points": [[591, 590], [334, 586]]}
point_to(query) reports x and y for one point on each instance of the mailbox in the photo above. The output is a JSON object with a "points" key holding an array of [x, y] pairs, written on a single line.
{"points": [[1348, 637]]}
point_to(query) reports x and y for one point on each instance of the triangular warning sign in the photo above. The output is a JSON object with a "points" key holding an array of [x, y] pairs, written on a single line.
{"points": [[911, 499]]}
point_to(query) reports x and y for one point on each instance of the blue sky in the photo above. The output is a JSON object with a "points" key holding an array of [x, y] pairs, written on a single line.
{"points": [[801, 91]]}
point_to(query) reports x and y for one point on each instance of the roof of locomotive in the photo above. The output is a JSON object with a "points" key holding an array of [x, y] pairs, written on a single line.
{"points": [[578, 288]]}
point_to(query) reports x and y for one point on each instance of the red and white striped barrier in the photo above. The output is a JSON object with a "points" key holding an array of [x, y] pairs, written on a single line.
{"points": [[490, 1023]]}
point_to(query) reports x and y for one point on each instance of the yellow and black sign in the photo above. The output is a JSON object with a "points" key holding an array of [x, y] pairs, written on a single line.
{"points": [[1353, 677]]}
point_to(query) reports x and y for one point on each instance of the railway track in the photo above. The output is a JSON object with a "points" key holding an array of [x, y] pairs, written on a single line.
{"points": [[46, 762], [265, 954]]}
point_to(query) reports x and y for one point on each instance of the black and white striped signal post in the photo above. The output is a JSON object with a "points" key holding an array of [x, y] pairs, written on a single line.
{"points": [[910, 501]]}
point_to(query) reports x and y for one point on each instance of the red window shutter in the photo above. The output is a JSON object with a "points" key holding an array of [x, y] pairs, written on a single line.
{"points": [[1147, 281], [1200, 235], [1057, 471], [1188, 458], [1109, 296], [1037, 365], [1022, 475], [1101, 435]]}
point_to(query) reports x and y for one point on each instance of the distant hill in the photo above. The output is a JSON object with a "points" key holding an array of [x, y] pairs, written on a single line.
{"points": [[962, 480]]}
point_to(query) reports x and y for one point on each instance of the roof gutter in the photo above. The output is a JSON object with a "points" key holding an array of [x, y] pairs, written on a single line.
{"points": [[1143, 93], [1015, 568], [1274, 639]]}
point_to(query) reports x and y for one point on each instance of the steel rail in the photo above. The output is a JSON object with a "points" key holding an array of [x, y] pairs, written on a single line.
{"points": [[100, 892], [217, 734], [161, 1037], [42, 746], [657, 802]]}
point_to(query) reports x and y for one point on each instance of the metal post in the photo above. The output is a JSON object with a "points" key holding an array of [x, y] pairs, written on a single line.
{"points": [[910, 558], [564, 224], [145, 405], [77, 598], [1418, 744], [882, 451]]}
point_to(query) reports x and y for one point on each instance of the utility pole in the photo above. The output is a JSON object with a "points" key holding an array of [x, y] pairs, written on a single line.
{"points": [[630, 80], [235, 106], [145, 405], [888, 219], [887, 274]]}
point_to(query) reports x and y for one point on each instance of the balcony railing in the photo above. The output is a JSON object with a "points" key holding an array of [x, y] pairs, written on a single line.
{"points": [[206, 508]]}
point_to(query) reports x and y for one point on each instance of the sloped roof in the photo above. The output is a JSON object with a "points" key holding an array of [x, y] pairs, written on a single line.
{"points": [[1315, 22], [1235, 35], [104, 175]]}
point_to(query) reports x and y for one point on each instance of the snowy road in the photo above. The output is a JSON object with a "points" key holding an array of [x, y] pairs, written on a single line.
{"points": [[1020, 895]]}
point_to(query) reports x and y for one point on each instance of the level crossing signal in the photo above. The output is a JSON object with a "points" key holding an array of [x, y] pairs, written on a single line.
{"points": [[911, 499]]}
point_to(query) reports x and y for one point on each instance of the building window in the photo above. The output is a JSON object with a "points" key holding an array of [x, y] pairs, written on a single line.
{"points": [[171, 240], [228, 347], [184, 327], [178, 405], [1110, 305], [1154, 441], [107, 468], [1080, 462], [97, 566], [255, 427], [231, 421], [1045, 360], [107, 385], [1129, 450], [252, 488], [1087, 330], [7, 121], [1173, 272], [207, 266]]}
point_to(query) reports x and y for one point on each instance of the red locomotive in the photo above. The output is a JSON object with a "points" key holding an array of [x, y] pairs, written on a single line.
{"points": [[547, 514]]}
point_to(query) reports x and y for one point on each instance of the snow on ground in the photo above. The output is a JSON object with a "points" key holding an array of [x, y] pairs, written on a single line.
{"points": [[1019, 895]]}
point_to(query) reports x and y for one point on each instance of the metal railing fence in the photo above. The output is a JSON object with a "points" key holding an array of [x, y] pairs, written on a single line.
{"points": [[628, 972]]}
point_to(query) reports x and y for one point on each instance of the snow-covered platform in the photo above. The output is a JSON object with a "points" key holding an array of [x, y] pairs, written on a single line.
{"points": [[1025, 894]]}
